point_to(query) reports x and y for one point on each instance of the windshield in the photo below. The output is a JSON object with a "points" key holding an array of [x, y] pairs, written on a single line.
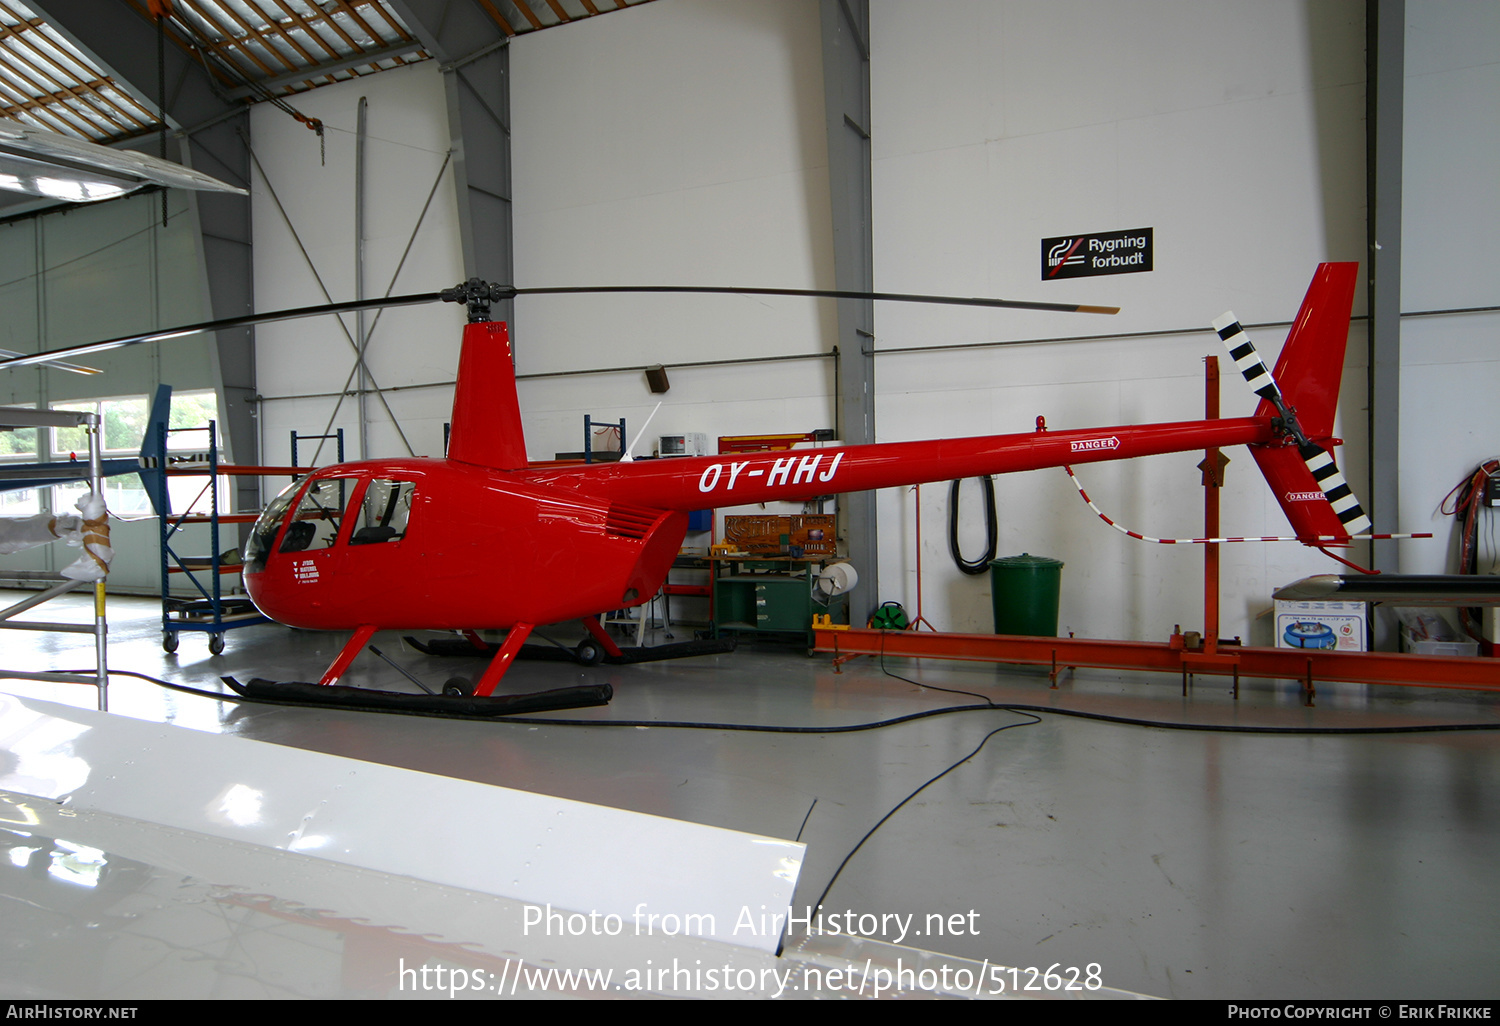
{"points": [[266, 526]]}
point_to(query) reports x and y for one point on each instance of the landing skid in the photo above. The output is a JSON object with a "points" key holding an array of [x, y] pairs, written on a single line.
{"points": [[455, 690], [338, 696], [459, 647]]}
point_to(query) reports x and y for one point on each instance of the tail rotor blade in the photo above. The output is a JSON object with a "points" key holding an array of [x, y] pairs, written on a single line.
{"points": [[1319, 461], [1242, 351], [1335, 488]]}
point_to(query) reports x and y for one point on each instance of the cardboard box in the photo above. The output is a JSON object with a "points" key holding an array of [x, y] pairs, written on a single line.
{"points": [[1343, 626]]}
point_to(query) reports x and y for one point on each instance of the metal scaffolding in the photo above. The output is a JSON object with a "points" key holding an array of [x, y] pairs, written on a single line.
{"points": [[12, 417]]}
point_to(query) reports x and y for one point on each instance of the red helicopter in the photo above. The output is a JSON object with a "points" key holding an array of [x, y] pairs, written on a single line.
{"points": [[481, 539]]}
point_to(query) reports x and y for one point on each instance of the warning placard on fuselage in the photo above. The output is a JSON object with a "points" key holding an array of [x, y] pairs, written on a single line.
{"points": [[1084, 256]]}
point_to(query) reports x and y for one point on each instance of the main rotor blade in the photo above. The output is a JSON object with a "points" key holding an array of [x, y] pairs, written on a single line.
{"points": [[76, 368], [227, 322], [503, 292], [894, 297]]}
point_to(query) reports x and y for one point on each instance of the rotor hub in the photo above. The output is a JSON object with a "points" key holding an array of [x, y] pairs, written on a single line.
{"points": [[477, 295]]}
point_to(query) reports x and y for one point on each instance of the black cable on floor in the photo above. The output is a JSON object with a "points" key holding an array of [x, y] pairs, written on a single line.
{"points": [[548, 721], [223, 696], [881, 822], [931, 687], [1035, 719]]}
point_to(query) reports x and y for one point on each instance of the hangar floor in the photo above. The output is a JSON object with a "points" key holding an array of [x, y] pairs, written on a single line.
{"points": [[1181, 863]]}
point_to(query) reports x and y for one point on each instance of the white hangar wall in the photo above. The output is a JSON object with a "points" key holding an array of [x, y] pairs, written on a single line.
{"points": [[683, 142], [674, 143], [677, 143], [1236, 132], [305, 232]]}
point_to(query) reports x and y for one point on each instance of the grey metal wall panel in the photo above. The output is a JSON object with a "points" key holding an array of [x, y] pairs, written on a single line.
{"points": [[846, 97]]}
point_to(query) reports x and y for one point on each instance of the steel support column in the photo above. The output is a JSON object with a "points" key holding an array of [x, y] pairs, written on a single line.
{"points": [[1385, 32], [846, 100], [476, 76]]}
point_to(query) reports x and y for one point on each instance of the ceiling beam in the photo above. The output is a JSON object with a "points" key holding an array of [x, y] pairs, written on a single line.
{"points": [[354, 60]]}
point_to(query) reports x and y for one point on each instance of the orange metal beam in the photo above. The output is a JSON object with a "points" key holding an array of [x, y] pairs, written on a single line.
{"points": [[1307, 665]]}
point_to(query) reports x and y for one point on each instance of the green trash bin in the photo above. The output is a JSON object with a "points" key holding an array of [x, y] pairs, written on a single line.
{"points": [[1025, 591]]}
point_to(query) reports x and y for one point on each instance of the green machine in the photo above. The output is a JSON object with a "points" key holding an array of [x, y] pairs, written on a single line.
{"points": [[776, 597]]}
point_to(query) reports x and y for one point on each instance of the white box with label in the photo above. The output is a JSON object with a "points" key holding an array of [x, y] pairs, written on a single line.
{"points": [[1342, 626]]}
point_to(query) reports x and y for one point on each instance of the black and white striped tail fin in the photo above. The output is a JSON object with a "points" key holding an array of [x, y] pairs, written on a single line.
{"points": [[1332, 482], [1242, 351]]}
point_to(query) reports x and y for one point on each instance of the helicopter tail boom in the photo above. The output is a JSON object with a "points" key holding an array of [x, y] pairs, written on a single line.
{"points": [[705, 482], [1294, 459]]}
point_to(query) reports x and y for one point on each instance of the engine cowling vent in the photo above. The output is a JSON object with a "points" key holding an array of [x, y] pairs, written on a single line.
{"points": [[625, 521]]}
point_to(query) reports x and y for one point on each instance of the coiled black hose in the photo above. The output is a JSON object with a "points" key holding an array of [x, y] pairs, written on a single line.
{"points": [[980, 565]]}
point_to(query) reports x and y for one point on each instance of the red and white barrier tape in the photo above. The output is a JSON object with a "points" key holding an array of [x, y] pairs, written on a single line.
{"points": [[1320, 539]]}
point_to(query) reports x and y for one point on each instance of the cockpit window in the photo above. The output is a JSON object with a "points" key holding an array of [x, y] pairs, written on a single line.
{"points": [[384, 513], [315, 524], [263, 534]]}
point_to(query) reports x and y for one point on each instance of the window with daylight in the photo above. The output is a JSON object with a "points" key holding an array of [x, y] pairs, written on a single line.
{"points": [[18, 445], [124, 420]]}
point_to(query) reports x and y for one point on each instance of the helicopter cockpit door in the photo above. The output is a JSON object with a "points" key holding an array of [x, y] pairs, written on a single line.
{"points": [[311, 535]]}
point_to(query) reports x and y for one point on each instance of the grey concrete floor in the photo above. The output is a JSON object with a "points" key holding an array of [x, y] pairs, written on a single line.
{"points": [[1180, 863]]}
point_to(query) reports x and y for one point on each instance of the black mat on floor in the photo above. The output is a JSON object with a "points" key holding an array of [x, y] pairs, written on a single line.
{"points": [[337, 696], [633, 654]]}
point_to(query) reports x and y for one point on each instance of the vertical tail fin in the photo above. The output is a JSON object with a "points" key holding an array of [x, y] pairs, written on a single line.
{"points": [[153, 475], [1311, 363], [1308, 485]]}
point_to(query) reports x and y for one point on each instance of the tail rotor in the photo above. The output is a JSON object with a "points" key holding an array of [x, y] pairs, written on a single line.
{"points": [[1318, 460], [1333, 486], [1242, 351]]}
